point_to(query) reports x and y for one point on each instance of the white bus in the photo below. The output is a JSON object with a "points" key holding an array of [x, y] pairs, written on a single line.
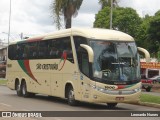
{"points": [[90, 65]]}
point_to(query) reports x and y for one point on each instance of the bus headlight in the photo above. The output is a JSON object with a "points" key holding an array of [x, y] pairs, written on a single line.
{"points": [[137, 89], [116, 92], [98, 88], [93, 86]]}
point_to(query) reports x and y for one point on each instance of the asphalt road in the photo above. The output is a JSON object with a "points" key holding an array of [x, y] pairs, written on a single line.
{"points": [[9, 101]]}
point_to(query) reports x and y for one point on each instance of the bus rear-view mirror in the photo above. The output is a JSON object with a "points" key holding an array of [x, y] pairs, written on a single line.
{"points": [[90, 52]]}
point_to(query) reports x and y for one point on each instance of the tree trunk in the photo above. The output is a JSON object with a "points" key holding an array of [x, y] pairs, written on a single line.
{"points": [[68, 22]]}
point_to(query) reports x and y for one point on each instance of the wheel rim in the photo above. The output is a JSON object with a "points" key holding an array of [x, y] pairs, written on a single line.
{"points": [[18, 87], [71, 95], [24, 89]]}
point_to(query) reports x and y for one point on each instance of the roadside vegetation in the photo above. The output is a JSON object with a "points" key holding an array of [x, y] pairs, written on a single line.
{"points": [[3, 82], [150, 98]]}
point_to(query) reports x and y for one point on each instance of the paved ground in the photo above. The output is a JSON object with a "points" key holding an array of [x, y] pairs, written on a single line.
{"points": [[9, 101]]}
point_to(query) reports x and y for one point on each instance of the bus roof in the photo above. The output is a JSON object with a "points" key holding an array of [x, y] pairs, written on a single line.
{"points": [[106, 34], [93, 33]]}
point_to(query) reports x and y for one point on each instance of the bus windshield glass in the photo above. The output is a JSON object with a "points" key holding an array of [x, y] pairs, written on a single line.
{"points": [[115, 61]]}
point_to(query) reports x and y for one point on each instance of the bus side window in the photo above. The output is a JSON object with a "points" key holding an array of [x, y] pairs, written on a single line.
{"points": [[67, 48], [32, 50], [43, 50], [53, 50], [12, 52], [19, 52], [59, 47], [25, 52]]}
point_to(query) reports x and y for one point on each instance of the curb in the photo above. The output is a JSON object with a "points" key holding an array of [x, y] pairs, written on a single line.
{"points": [[2, 84], [149, 104]]}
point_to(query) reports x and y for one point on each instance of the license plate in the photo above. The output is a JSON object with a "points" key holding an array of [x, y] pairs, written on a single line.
{"points": [[119, 98]]}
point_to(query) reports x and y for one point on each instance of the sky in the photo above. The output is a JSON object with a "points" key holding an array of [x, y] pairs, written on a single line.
{"points": [[33, 17]]}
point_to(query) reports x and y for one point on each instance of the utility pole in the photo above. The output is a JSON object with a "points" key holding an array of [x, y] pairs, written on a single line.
{"points": [[21, 36], [10, 9], [111, 14]]}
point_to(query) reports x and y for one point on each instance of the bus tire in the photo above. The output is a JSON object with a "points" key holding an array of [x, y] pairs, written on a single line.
{"points": [[70, 96], [111, 105], [24, 90], [18, 88]]}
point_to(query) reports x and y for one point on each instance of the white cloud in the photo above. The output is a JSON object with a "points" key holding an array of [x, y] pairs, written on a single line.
{"points": [[86, 14], [28, 16], [143, 7], [90, 7], [84, 20]]}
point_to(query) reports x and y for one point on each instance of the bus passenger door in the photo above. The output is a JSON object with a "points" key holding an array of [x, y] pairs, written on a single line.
{"points": [[84, 81], [83, 63]]}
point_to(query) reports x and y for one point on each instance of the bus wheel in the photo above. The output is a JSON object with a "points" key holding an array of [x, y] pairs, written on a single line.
{"points": [[18, 88], [111, 105], [71, 97], [24, 89]]}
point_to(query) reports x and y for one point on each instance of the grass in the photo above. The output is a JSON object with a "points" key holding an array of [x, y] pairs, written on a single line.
{"points": [[3, 82], [150, 98]]}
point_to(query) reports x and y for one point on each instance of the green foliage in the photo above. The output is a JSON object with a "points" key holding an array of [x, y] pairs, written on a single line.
{"points": [[3, 82], [149, 34], [127, 20], [142, 35], [107, 3], [103, 3], [102, 18], [124, 19], [150, 98], [153, 33]]}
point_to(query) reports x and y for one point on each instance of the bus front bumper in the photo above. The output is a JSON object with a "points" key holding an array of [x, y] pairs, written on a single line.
{"points": [[100, 97]]}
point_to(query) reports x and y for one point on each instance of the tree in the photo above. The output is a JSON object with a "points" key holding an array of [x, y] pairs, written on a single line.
{"points": [[102, 19], [124, 19], [142, 33], [127, 20], [154, 33], [67, 9], [107, 3]]}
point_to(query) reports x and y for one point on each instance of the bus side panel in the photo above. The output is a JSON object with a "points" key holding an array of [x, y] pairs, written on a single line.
{"points": [[57, 85], [13, 73], [39, 81], [41, 84]]}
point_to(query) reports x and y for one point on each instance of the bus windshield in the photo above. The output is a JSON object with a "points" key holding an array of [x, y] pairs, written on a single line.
{"points": [[115, 61]]}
